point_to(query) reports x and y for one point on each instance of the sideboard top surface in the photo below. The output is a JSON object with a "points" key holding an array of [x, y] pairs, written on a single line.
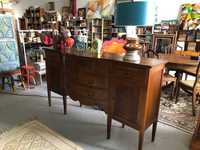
{"points": [[145, 62]]}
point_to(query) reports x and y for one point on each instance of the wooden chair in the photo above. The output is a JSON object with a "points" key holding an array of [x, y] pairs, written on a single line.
{"points": [[167, 78], [28, 74], [191, 86], [10, 76], [195, 142]]}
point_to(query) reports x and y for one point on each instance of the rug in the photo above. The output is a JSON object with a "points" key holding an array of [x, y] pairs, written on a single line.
{"points": [[178, 115], [35, 136]]}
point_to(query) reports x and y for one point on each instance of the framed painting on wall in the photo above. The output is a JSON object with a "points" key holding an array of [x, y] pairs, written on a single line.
{"points": [[100, 8], [66, 12], [9, 55], [82, 12], [164, 43]]}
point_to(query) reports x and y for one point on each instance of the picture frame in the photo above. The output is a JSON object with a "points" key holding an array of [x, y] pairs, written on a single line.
{"points": [[82, 12], [164, 43], [66, 11]]}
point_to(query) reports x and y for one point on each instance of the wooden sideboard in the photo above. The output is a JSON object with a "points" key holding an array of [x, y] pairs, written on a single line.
{"points": [[55, 64], [127, 92]]}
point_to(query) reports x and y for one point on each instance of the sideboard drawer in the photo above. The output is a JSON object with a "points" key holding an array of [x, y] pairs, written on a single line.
{"points": [[91, 66], [128, 73], [91, 80], [79, 92]]}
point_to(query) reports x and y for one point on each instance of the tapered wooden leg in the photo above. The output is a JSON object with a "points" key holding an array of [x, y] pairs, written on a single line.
{"points": [[177, 93], [109, 123], [193, 103], [186, 76], [65, 104], [28, 80], [198, 96], [22, 82], [123, 125], [154, 127], [12, 84], [173, 90], [141, 139], [3, 83], [49, 97]]}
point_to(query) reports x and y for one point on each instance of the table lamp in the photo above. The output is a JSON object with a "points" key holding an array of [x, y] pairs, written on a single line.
{"points": [[135, 13]]}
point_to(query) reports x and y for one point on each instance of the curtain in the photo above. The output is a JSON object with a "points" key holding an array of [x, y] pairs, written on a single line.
{"points": [[73, 7]]}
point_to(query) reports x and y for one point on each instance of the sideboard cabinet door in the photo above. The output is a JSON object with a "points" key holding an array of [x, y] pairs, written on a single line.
{"points": [[127, 90], [55, 71]]}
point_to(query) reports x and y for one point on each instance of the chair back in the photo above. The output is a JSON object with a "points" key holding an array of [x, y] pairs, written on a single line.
{"points": [[197, 79]]}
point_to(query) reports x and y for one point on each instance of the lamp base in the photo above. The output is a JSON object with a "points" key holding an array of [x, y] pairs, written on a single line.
{"points": [[132, 50], [132, 56]]}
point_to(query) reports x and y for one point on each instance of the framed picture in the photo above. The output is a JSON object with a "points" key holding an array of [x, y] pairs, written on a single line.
{"points": [[9, 54], [66, 11], [164, 43], [82, 12]]}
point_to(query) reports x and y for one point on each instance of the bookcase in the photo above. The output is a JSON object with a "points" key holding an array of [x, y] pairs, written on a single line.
{"points": [[50, 20], [107, 29], [75, 25], [38, 19], [103, 28], [96, 29], [144, 33], [189, 39], [117, 29], [165, 28], [143, 30], [34, 17]]}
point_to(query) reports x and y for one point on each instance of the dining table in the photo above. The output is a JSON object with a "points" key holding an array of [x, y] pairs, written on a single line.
{"points": [[180, 63]]}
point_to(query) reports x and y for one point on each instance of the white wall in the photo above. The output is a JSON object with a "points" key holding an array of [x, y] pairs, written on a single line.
{"points": [[22, 5], [168, 9], [82, 3]]}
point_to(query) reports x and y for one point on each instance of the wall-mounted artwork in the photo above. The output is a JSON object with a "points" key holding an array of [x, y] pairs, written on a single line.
{"points": [[100, 8], [189, 16], [6, 30], [66, 12], [9, 57], [82, 12]]}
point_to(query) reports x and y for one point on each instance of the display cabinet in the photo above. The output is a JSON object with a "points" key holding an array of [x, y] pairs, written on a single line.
{"points": [[190, 39], [95, 27]]}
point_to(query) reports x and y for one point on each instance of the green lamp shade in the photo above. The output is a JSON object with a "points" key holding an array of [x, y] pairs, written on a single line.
{"points": [[134, 14]]}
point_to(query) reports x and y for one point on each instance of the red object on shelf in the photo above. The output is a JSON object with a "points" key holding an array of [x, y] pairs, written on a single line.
{"points": [[47, 40], [69, 42], [28, 73]]}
